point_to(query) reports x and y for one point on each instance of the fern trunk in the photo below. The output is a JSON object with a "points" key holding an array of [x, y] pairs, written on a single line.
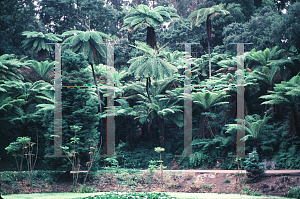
{"points": [[151, 38], [148, 84], [42, 55], [162, 132], [295, 119], [97, 88]]}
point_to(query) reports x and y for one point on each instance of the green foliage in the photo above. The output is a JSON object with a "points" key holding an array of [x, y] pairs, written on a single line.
{"points": [[227, 181], [256, 193], [37, 40], [246, 190], [287, 93], [253, 123], [294, 192], [203, 14], [253, 166], [154, 17], [8, 67], [207, 99], [150, 64], [113, 161], [139, 158], [42, 69], [153, 166], [286, 157], [80, 109], [87, 189], [88, 43]]}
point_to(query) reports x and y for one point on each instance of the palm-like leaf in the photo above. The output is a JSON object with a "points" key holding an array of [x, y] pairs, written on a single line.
{"points": [[201, 15], [253, 125], [207, 99], [150, 64], [143, 15], [287, 93], [37, 40], [8, 67], [42, 69], [87, 42]]}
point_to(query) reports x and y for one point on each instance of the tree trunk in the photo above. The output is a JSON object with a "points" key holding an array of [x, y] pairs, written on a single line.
{"points": [[151, 38], [162, 136], [201, 128], [42, 55], [149, 125], [97, 88], [295, 118], [147, 88], [209, 60]]}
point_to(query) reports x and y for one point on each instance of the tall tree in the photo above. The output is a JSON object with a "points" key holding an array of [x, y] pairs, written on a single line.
{"points": [[155, 17], [149, 65], [206, 14], [88, 43], [79, 108]]}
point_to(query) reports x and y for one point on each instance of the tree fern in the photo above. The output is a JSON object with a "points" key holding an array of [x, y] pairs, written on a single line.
{"points": [[37, 42], [143, 15]]}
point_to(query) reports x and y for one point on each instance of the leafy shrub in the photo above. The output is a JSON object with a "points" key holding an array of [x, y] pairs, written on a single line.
{"points": [[287, 155], [246, 190], [207, 187], [87, 189], [227, 181], [294, 192], [256, 193], [253, 167], [139, 158]]}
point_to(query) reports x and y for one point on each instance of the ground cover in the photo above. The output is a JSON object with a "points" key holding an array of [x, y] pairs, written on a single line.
{"points": [[128, 180]]}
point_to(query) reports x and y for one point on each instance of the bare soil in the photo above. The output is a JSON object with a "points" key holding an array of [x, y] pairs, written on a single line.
{"points": [[172, 182]]}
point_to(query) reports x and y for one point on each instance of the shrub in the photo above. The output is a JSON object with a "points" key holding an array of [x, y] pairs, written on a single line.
{"points": [[256, 193], [294, 192], [87, 189], [253, 167], [246, 190], [227, 181]]}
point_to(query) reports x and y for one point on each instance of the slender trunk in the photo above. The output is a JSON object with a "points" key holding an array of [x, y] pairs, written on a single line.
{"points": [[162, 136], [209, 60], [296, 117], [149, 125], [97, 88], [147, 88], [42, 55]]}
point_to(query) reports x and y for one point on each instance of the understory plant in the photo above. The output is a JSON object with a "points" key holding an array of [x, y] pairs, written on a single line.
{"points": [[23, 147], [294, 192], [94, 154], [75, 160], [159, 150], [252, 165]]}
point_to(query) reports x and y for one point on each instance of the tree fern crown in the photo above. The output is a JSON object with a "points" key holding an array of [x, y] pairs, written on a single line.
{"points": [[143, 15]]}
